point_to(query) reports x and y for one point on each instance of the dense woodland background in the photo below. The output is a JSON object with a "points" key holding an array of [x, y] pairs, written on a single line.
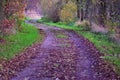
{"points": [[101, 15], [99, 18]]}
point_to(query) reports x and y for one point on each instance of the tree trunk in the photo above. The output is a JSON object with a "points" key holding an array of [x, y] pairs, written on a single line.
{"points": [[102, 12], [81, 15], [1, 10], [78, 8]]}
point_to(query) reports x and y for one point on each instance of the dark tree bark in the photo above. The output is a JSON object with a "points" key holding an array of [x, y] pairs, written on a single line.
{"points": [[102, 12], [80, 11], [1, 10], [81, 15], [87, 8], [78, 8]]}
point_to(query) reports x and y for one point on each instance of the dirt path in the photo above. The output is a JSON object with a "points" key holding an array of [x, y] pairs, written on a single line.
{"points": [[64, 55]]}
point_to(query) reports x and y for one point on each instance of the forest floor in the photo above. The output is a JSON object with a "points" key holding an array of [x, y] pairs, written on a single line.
{"points": [[63, 55]]}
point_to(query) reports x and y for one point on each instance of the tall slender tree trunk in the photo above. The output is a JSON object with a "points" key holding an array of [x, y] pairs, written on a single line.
{"points": [[102, 12], [78, 8], [1, 10], [80, 12]]}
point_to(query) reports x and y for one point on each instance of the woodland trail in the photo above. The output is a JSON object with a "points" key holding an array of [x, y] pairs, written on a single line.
{"points": [[65, 55]]}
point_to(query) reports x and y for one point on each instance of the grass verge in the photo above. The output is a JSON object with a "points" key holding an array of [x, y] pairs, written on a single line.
{"points": [[16, 43], [60, 25]]}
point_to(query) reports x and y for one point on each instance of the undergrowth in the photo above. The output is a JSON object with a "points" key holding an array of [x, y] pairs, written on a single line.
{"points": [[15, 43]]}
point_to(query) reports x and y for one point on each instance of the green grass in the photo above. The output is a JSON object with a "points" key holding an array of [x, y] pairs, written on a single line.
{"points": [[60, 25], [19, 41], [105, 46], [27, 18], [101, 41], [61, 36], [114, 61]]}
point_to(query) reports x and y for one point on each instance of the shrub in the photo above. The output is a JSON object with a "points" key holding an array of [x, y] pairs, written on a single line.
{"points": [[14, 44], [13, 13], [68, 13], [45, 19], [84, 24], [7, 27]]}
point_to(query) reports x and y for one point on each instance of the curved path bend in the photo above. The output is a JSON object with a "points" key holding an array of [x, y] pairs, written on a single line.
{"points": [[65, 55]]}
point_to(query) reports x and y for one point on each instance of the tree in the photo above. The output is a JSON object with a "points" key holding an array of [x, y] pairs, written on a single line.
{"points": [[68, 12], [51, 9], [13, 13], [78, 8]]}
